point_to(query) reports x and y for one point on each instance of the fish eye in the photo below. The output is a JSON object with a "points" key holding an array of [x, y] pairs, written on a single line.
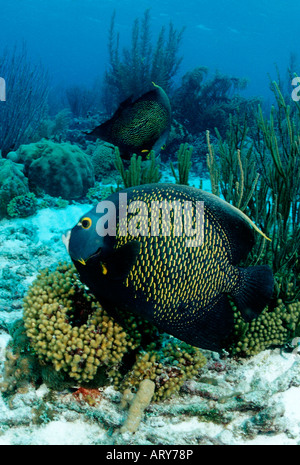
{"points": [[86, 223]]}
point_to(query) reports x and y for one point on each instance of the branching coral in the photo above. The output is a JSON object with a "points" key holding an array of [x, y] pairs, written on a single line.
{"points": [[184, 164]]}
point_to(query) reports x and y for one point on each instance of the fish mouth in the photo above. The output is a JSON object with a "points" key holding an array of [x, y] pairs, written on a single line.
{"points": [[96, 254], [66, 239], [92, 257]]}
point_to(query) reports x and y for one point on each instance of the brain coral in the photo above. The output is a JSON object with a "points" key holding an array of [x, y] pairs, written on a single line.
{"points": [[59, 169]]}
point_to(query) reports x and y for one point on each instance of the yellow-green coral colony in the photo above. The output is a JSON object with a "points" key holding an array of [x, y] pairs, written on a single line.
{"points": [[271, 328], [169, 368], [180, 289], [69, 330], [54, 310]]}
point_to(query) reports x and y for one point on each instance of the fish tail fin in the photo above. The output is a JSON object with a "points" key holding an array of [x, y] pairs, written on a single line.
{"points": [[254, 290]]}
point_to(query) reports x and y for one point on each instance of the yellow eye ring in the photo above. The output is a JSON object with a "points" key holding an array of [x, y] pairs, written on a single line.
{"points": [[86, 223]]}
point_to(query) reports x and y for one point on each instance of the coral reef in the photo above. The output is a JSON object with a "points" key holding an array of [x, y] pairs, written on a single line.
{"points": [[184, 164], [99, 192], [168, 365], [70, 331], [68, 339], [59, 169], [53, 128], [232, 402], [271, 328], [13, 183], [21, 366], [52, 202]]}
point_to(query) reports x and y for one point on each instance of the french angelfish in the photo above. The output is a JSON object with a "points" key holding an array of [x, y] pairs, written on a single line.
{"points": [[138, 126], [183, 290]]}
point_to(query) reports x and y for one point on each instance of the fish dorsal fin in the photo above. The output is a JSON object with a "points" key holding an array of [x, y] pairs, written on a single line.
{"points": [[239, 228], [250, 222], [123, 105]]}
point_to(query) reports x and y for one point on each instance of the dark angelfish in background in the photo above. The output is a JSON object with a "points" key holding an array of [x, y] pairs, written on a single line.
{"points": [[138, 126]]}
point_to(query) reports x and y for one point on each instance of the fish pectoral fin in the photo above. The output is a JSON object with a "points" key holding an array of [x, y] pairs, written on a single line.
{"points": [[254, 291], [120, 262]]}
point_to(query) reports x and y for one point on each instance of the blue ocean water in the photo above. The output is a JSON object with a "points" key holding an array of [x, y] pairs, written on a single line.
{"points": [[242, 39], [232, 401]]}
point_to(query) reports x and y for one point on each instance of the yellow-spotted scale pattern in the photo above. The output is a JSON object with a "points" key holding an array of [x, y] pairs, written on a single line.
{"points": [[171, 275], [182, 289]]}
